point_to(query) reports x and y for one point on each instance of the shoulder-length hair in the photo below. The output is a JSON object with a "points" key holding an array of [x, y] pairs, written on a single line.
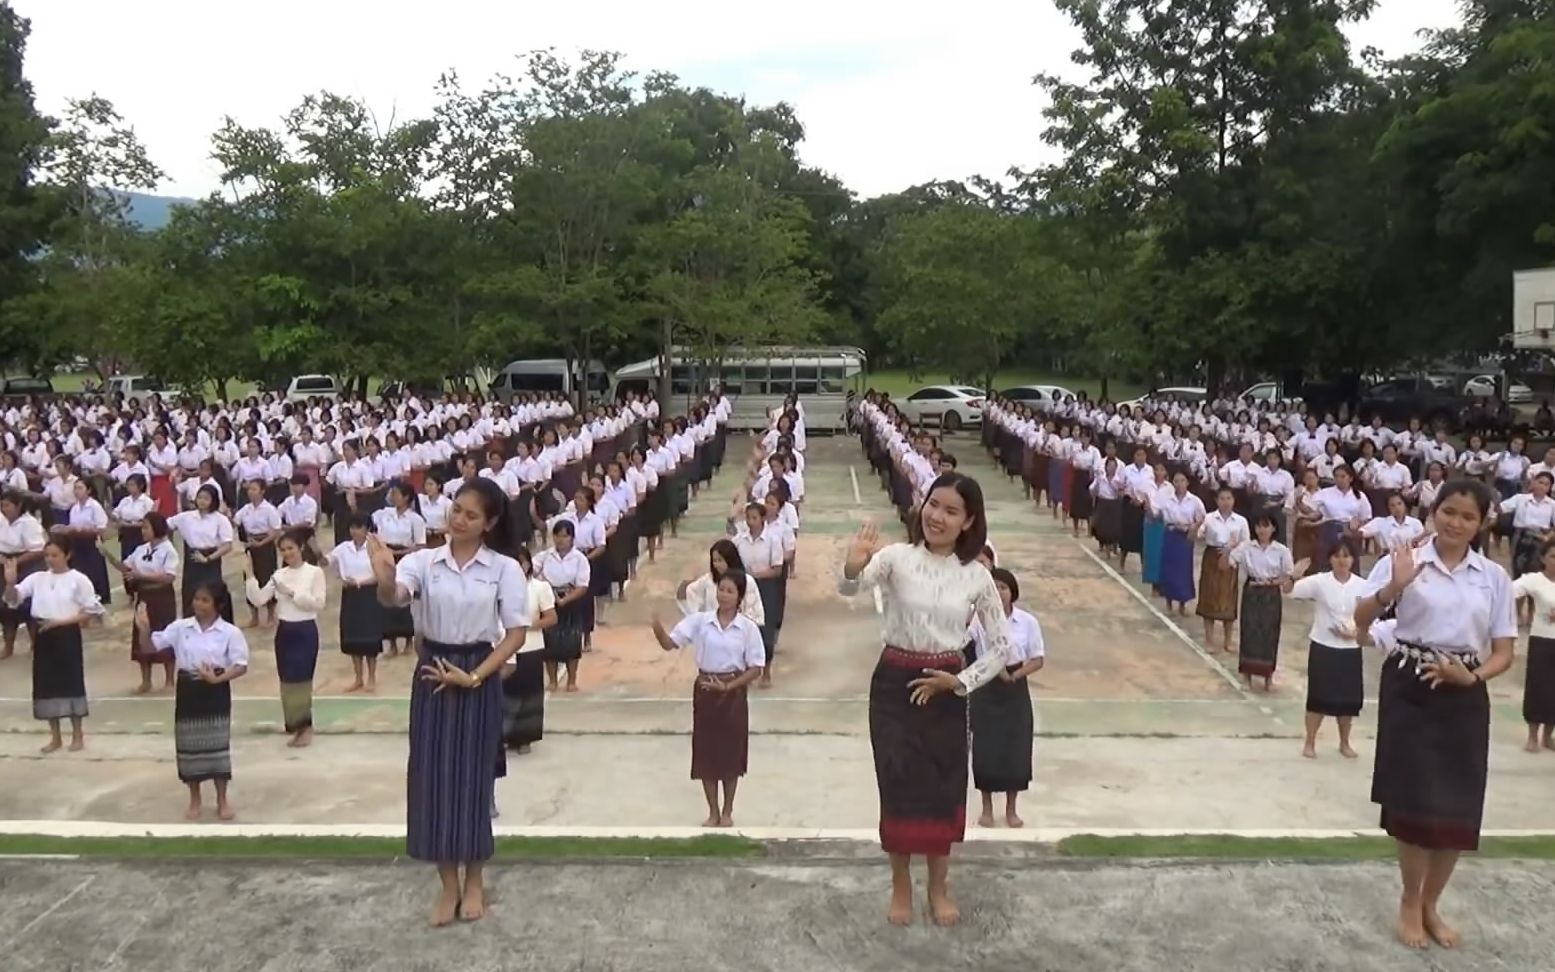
{"points": [[975, 535]]}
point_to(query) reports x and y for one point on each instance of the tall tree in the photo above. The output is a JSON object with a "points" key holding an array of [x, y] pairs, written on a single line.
{"points": [[23, 212]]}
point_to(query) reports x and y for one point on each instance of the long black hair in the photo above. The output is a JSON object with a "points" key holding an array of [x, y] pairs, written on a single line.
{"points": [[726, 549], [500, 534], [971, 541]]}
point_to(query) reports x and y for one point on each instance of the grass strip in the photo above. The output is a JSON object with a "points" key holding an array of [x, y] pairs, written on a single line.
{"points": [[374, 848], [1229, 847]]}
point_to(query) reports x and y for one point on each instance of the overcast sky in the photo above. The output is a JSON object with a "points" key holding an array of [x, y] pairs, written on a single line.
{"points": [[890, 94]]}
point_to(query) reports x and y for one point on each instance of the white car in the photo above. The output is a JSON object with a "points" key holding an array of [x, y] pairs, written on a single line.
{"points": [[1180, 393], [139, 387], [1029, 394], [304, 387], [950, 407], [1484, 386]]}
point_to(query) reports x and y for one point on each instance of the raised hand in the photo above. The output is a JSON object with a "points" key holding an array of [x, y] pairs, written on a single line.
{"points": [[866, 543], [382, 559], [1405, 570]]}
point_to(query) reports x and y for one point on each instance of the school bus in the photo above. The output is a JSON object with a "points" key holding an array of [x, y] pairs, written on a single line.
{"points": [[757, 380]]}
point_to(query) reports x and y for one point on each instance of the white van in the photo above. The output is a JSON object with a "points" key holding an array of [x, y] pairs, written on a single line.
{"points": [[304, 387], [537, 375]]}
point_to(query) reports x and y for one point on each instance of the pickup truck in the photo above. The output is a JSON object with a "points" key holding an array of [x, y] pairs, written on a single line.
{"points": [[139, 387], [1398, 400]]}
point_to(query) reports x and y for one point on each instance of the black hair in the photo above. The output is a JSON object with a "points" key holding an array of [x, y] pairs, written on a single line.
{"points": [[299, 480], [1475, 490], [1262, 519], [564, 526], [158, 524], [360, 519], [1002, 576], [402, 487], [948, 460], [500, 535], [972, 539], [737, 576], [726, 549], [220, 595], [210, 492], [137, 479], [58, 543]]}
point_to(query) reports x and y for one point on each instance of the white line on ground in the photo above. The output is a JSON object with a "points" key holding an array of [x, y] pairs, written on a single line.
{"points": [[46, 912], [1039, 698], [89, 828], [1161, 616], [853, 476]]}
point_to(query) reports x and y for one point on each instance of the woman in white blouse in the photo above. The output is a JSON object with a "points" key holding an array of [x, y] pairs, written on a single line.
{"points": [[1001, 718], [402, 530], [259, 527], [729, 657], [84, 525], [130, 512], [361, 616], [21, 546], [917, 697], [210, 652], [701, 595], [207, 536], [1335, 686], [1539, 677], [523, 684], [567, 570], [62, 601], [297, 590], [1265, 564]]}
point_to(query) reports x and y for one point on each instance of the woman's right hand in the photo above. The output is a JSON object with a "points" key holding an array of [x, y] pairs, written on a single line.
{"points": [[866, 543], [1405, 570]]}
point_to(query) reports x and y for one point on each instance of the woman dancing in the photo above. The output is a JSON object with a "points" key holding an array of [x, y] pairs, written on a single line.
{"points": [[1001, 715], [62, 601], [917, 697], [1455, 631]]}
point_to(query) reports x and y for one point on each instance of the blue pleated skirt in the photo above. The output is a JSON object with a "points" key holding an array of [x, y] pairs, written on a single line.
{"points": [[455, 735], [1177, 567], [1155, 537]]}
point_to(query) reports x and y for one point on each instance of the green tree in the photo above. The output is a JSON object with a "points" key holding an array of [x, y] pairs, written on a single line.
{"points": [[23, 212]]}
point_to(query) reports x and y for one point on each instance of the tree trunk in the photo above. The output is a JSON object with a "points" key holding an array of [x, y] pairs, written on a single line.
{"points": [[666, 360], [221, 389]]}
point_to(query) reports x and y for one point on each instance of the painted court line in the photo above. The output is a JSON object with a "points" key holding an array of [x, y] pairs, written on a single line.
{"points": [[1162, 617], [46, 912], [853, 476], [1028, 835]]}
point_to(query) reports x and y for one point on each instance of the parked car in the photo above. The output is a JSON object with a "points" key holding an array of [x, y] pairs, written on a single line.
{"points": [[950, 407], [17, 389], [1267, 393], [1179, 393], [1037, 393], [139, 387], [1398, 400], [304, 387], [1484, 386]]}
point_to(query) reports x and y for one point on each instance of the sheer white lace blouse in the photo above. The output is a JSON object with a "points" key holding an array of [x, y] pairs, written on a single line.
{"points": [[928, 600]]}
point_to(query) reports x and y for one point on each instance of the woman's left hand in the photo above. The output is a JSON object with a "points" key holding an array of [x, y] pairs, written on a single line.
{"points": [[1446, 669], [208, 674], [444, 673], [931, 684]]}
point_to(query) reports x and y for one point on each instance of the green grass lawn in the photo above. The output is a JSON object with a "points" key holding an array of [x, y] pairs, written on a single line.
{"points": [[374, 848], [1227, 847], [900, 384]]}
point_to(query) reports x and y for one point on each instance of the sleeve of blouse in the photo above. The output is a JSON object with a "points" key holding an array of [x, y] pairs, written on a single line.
{"points": [[260, 596], [755, 652], [996, 634], [314, 596], [166, 639], [684, 631], [545, 599], [418, 531], [1381, 575], [224, 532], [1503, 617], [875, 573], [752, 607], [513, 597], [84, 596], [1305, 589], [237, 648]]}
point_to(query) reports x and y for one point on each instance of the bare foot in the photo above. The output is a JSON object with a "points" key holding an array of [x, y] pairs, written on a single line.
{"points": [[943, 911], [193, 813], [1348, 753], [473, 907], [51, 745], [443, 912], [77, 744], [354, 687], [1012, 820], [1411, 928], [302, 740], [141, 689], [900, 913], [711, 821], [522, 750], [726, 819], [224, 811], [372, 688], [1309, 750], [572, 686], [1440, 931], [985, 819]]}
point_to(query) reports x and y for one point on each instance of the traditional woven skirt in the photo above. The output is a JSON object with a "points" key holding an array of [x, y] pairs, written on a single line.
{"points": [[920, 755], [1335, 686], [1525, 553], [1066, 485], [296, 657], [262, 559], [564, 639], [1055, 480], [58, 674], [1002, 728], [1432, 758], [129, 539], [1217, 588], [1132, 518], [720, 730], [523, 700], [398, 622], [455, 739], [1081, 503], [85, 557], [312, 489], [1107, 521], [614, 561], [1154, 539], [1304, 544], [13, 617], [163, 494], [1259, 650], [651, 512], [340, 517], [197, 573], [1177, 567], [774, 601], [1539, 682], [1040, 465], [361, 622], [202, 729], [161, 610]]}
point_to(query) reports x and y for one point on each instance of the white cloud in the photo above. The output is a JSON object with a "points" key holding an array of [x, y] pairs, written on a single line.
{"points": [[890, 95]]}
